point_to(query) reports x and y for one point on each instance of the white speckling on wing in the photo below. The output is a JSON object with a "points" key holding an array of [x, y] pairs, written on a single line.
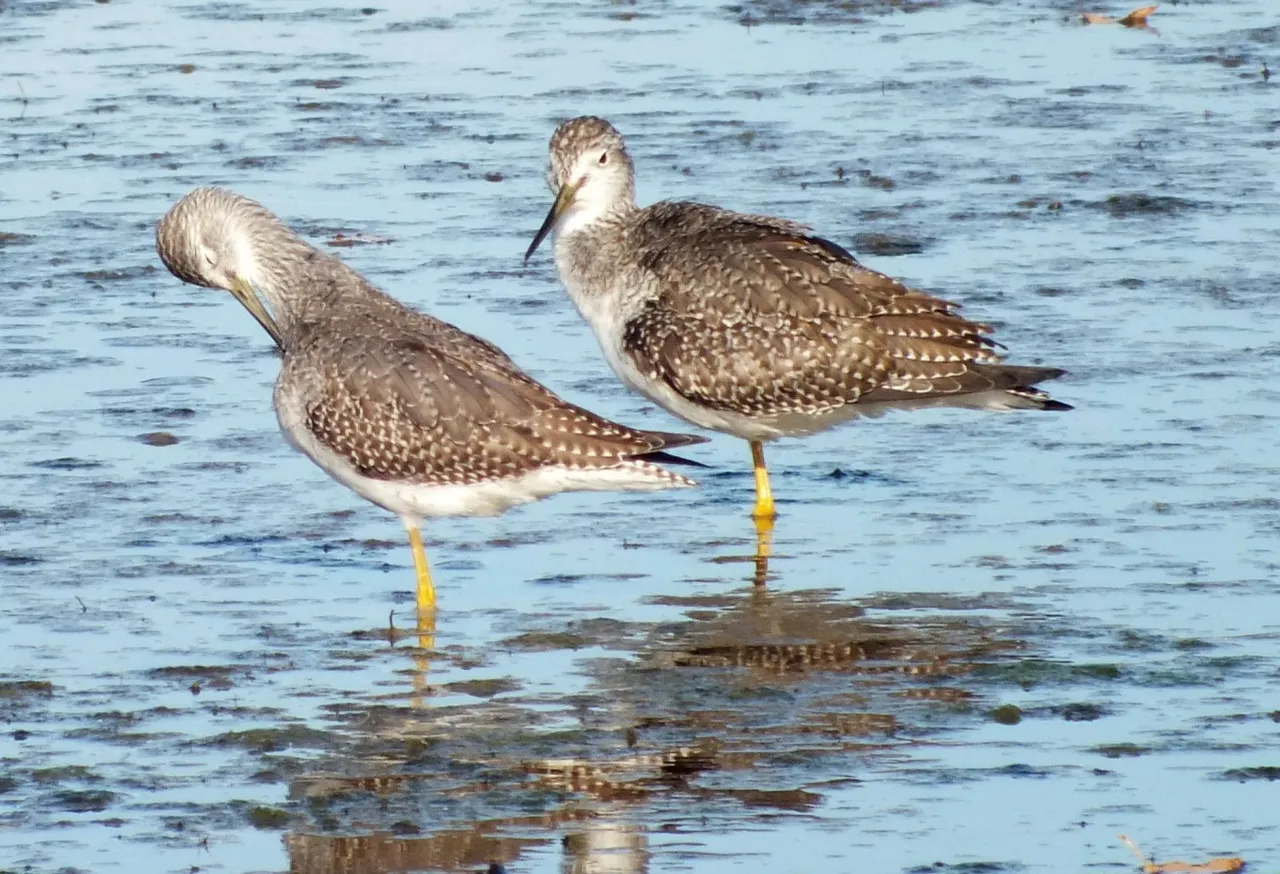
{"points": [[410, 412], [749, 324]]}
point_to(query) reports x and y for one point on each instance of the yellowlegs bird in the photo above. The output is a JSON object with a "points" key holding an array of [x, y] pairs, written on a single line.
{"points": [[407, 411], [749, 324]]}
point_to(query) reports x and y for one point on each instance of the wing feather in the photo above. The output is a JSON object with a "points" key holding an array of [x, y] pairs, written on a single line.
{"points": [[413, 409], [757, 316]]}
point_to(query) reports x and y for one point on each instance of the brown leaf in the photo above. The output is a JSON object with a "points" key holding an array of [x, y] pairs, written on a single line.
{"points": [[1219, 865], [1138, 17]]}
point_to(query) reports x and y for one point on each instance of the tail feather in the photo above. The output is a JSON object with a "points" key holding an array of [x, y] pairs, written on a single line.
{"points": [[1025, 376], [660, 457], [981, 387], [1036, 399], [672, 440]]}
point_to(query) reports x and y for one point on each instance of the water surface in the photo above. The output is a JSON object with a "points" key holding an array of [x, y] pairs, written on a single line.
{"points": [[986, 643]]}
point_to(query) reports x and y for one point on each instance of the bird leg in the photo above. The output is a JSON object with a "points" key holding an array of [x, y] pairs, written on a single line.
{"points": [[426, 597], [764, 495], [764, 544], [422, 659]]}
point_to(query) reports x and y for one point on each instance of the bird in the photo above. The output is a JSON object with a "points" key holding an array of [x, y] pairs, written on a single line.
{"points": [[408, 411], [752, 325]]}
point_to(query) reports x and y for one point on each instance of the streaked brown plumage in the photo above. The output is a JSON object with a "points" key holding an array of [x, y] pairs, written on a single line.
{"points": [[417, 401], [750, 324], [408, 411], [811, 331]]}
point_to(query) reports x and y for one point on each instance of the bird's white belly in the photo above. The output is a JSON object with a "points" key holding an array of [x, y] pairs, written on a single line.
{"points": [[415, 501]]}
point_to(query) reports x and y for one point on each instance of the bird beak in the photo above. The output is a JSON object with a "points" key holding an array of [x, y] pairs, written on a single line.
{"points": [[243, 291], [563, 198]]}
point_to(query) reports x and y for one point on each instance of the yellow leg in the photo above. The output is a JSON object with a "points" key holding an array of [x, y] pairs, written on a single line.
{"points": [[764, 546], [426, 629], [426, 591], [421, 661], [764, 495]]}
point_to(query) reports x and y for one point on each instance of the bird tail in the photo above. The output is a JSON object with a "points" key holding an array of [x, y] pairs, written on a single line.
{"points": [[1026, 379], [661, 457]]}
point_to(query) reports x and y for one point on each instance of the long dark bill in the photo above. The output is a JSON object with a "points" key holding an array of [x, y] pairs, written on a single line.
{"points": [[243, 292], [563, 198]]}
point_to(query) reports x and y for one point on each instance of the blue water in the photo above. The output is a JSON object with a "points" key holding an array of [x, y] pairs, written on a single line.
{"points": [[1008, 557]]}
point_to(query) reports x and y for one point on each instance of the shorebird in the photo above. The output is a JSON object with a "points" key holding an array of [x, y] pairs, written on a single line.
{"points": [[751, 325], [409, 412]]}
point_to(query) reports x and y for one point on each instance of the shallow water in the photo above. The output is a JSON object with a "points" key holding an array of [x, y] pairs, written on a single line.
{"points": [[987, 642]]}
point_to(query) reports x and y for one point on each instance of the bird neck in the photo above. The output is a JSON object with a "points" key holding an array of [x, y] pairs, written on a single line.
{"points": [[595, 265], [598, 205]]}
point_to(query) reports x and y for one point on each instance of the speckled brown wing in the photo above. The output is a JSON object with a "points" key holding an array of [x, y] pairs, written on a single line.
{"points": [[755, 316], [407, 409]]}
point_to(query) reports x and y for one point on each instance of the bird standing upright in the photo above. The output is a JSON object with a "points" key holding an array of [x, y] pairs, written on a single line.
{"points": [[751, 325]]}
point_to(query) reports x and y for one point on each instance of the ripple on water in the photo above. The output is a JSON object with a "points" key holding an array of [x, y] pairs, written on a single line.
{"points": [[1046, 620]]}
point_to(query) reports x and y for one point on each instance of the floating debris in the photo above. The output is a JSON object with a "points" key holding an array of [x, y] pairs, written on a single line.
{"points": [[1136, 18], [1218, 865]]}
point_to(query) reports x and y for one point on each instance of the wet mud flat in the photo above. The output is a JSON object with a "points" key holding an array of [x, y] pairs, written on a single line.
{"points": [[754, 713], [985, 643]]}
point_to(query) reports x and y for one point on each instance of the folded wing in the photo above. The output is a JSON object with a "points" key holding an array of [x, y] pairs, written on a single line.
{"points": [[429, 410], [756, 316]]}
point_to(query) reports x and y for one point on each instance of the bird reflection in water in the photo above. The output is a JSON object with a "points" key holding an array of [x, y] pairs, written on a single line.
{"points": [[710, 710], [593, 843]]}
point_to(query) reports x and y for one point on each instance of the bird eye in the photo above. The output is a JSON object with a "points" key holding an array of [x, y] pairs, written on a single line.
{"points": [[604, 159]]}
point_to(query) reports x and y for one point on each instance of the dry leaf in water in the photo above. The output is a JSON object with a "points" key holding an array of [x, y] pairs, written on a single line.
{"points": [[1219, 865], [1136, 18]]}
